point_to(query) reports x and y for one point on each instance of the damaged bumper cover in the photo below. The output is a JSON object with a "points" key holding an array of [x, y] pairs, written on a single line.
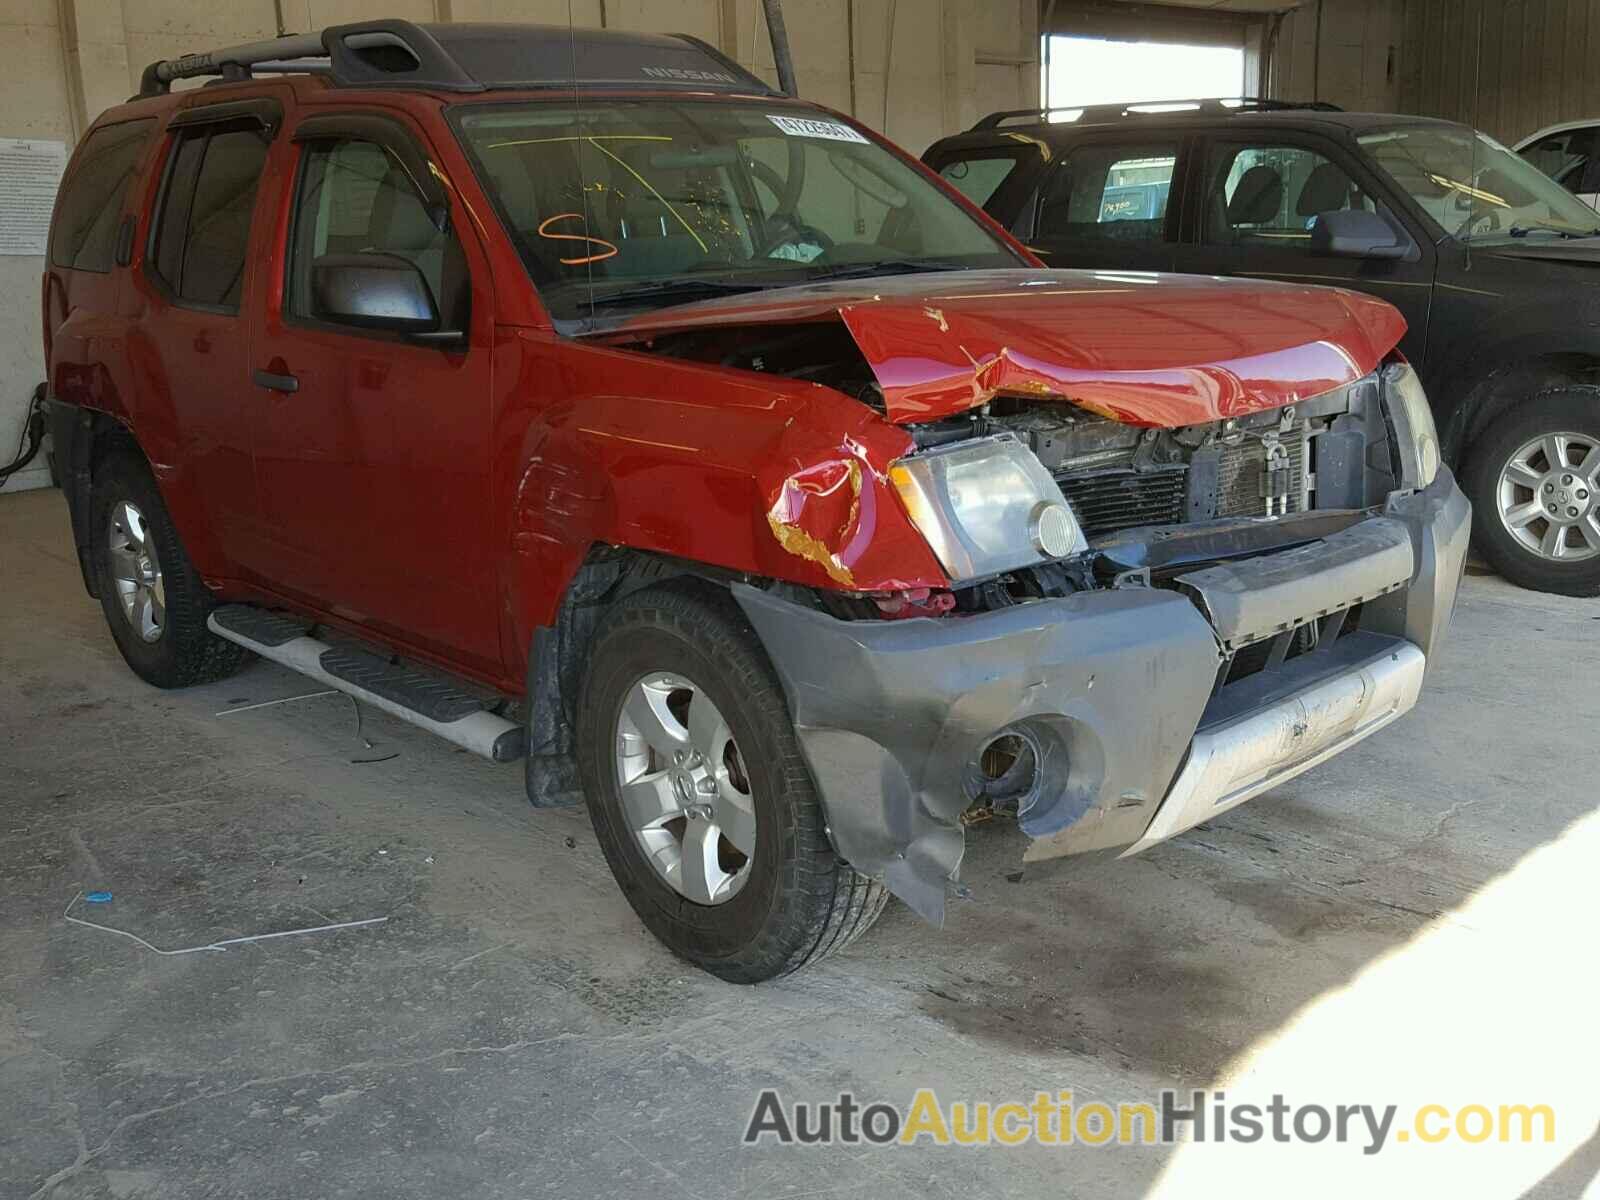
{"points": [[1114, 693]]}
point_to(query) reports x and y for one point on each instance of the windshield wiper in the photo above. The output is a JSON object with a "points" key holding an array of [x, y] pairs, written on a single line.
{"points": [[1522, 231], [888, 266], [682, 290]]}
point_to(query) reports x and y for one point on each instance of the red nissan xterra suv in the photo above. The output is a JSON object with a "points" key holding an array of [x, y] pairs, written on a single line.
{"points": [[582, 400]]}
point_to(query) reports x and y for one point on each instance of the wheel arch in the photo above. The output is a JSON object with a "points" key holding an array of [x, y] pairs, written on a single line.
{"points": [[1488, 394], [82, 439]]}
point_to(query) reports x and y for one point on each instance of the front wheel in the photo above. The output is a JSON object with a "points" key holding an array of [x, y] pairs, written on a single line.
{"points": [[1534, 481], [700, 798]]}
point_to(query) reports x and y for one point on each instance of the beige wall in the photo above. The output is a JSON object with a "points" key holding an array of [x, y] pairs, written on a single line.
{"points": [[1507, 66], [943, 64]]}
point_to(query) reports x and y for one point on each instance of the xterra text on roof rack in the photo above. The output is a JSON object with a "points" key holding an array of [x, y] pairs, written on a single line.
{"points": [[701, 449]]}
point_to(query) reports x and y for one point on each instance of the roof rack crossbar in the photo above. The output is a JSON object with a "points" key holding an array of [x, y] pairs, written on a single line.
{"points": [[1211, 105]]}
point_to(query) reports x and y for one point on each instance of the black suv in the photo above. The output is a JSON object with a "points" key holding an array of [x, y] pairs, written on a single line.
{"points": [[1492, 264]]}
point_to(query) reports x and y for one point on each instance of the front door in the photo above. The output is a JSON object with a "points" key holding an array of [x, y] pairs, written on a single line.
{"points": [[1251, 215], [371, 447]]}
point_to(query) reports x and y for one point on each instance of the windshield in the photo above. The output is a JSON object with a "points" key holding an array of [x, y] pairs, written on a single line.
{"points": [[1474, 187], [625, 205]]}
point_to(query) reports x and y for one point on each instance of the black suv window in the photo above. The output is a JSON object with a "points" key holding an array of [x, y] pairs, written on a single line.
{"points": [[1267, 195], [84, 233], [980, 177], [1110, 192], [355, 198], [203, 231]]}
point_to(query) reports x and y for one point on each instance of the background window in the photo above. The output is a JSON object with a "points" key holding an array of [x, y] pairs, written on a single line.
{"points": [[1565, 157], [1110, 193], [203, 236], [1269, 195], [978, 179], [84, 233], [355, 198]]}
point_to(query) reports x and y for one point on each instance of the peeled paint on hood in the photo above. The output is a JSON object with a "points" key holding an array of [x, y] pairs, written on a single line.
{"points": [[1143, 349]]}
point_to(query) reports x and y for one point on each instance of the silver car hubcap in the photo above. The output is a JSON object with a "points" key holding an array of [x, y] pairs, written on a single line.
{"points": [[1548, 496], [685, 790], [136, 571]]}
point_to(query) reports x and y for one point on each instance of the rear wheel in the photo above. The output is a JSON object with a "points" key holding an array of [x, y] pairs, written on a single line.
{"points": [[153, 598], [1534, 480], [700, 798]]}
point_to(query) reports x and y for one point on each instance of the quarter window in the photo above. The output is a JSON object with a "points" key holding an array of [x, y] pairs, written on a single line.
{"points": [[203, 234], [978, 179], [355, 198], [1110, 193], [84, 233], [1269, 195]]}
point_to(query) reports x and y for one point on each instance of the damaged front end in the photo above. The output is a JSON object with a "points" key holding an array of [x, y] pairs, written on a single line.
{"points": [[1239, 599]]}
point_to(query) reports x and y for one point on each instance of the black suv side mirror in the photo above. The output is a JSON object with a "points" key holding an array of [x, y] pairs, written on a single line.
{"points": [[376, 291], [1355, 233]]}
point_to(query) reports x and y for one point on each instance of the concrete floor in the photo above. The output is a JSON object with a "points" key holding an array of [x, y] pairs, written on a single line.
{"points": [[513, 1032]]}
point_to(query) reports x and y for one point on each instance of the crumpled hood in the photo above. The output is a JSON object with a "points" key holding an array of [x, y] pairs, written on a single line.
{"points": [[1143, 349]]}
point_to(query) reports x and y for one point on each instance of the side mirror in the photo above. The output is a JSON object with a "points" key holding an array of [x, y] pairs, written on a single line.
{"points": [[1355, 233], [376, 291]]}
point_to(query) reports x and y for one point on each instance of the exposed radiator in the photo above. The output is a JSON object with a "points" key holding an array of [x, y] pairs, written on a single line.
{"points": [[1241, 478], [1107, 501]]}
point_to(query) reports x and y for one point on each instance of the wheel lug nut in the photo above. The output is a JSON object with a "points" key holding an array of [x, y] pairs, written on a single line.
{"points": [[1572, 512], [706, 786], [1549, 488], [1566, 479], [1552, 509]]}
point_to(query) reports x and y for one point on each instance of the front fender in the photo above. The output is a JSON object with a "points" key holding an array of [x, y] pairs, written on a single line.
{"points": [[764, 476]]}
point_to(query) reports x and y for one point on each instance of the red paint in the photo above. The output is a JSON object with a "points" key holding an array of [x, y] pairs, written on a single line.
{"points": [[1148, 350], [440, 501]]}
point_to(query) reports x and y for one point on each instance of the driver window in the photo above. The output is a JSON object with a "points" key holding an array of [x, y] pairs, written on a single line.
{"points": [[1270, 195], [355, 198]]}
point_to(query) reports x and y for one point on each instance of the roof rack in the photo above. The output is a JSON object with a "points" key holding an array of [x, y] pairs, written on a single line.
{"points": [[1090, 114], [470, 57]]}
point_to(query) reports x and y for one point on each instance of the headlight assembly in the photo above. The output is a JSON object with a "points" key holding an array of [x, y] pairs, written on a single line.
{"points": [[1411, 419], [987, 506]]}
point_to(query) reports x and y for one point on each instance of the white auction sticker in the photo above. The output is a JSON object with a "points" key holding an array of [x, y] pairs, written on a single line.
{"points": [[806, 127]]}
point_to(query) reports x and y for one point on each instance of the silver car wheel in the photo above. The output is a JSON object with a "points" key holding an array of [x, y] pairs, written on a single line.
{"points": [[1549, 496], [685, 790], [136, 571]]}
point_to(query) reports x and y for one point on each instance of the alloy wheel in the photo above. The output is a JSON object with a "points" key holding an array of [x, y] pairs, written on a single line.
{"points": [[1549, 496], [684, 787], [136, 571]]}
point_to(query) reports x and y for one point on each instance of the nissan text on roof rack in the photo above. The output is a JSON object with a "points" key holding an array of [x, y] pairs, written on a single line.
{"points": [[1491, 263], [588, 403]]}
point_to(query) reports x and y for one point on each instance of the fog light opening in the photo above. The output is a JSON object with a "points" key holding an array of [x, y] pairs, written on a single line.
{"points": [[1006, 767]]}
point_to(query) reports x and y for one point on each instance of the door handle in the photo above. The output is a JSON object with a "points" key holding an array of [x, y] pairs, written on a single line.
{"points": [[277, 382]]}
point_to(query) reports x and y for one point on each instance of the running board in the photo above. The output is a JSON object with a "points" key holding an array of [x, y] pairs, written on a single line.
{"points": [[400, 691]]}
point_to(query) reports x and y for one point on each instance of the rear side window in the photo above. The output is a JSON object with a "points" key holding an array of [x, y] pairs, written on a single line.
{"points": [[1110, 193], [84, 234], [203, 231]]}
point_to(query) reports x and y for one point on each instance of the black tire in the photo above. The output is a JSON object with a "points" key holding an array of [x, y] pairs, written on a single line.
{"points": [[801, 901], [185, 652], [1571, 408]]}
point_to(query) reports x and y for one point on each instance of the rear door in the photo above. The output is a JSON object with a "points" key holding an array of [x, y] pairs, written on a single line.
{"points": [[1253, 199], [196, 283], [372, 448]]}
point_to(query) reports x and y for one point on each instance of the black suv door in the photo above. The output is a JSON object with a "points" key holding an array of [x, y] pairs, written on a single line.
{"points": [[1251, 198]]}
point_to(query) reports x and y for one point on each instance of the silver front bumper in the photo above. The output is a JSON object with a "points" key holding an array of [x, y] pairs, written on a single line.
{"points": [[1231, 763], [1118, 689]]}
